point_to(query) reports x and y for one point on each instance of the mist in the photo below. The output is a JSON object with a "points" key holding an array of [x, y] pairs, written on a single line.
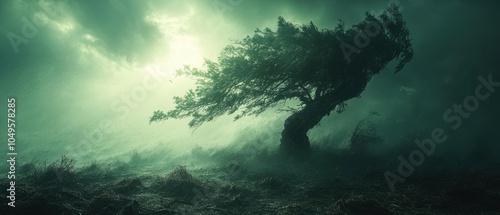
{"points": [[88, 75]]}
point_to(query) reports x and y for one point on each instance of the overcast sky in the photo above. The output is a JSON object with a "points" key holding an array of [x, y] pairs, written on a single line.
{"points": [[87, 75]]}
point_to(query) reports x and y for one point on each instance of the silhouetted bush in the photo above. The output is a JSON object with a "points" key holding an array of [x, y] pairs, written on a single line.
{"points": [[364, 135]]}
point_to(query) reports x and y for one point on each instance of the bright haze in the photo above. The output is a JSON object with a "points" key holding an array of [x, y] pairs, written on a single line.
{"points": [[87, 75]]}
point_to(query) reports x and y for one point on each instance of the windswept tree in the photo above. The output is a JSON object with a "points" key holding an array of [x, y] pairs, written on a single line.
{"points": [[321, 69]]}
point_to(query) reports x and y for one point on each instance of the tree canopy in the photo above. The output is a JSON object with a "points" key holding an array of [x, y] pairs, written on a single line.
{"points": [[293, 62]]}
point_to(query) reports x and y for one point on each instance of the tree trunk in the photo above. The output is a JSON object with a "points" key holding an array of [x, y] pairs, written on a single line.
{"points": [[294, 140]]}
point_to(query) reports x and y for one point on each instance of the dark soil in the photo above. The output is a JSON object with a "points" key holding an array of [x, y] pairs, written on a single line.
{"points": [[59, 189]]}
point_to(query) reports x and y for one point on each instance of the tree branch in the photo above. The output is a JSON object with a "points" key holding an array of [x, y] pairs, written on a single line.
{"points": [[318, 92], [306, 91]]}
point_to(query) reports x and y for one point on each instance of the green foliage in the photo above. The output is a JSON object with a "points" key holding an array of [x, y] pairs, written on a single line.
{"points": [[290, 63]]}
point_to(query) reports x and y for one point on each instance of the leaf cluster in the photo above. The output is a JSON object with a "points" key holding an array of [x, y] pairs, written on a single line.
{"points": [[290, 63]]}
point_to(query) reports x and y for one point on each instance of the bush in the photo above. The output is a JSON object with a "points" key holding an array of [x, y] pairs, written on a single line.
{"points": [[364, 135]]}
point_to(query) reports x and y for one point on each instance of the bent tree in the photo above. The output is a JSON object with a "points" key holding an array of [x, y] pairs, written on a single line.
{"points": [[321, 69]]}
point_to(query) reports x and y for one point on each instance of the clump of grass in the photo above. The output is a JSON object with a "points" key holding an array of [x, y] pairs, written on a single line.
{"points": [[32, 169], [59, 172], [273, 183], [108, 203], [128, 186], [95, 171], [179, 183]]}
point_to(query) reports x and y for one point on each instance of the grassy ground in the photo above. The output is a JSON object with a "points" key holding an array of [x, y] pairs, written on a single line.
{"points": [[233, 187]]}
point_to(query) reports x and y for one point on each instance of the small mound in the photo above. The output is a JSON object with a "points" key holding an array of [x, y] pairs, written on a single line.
{"points": [[179, 183], [113, 204], [128, 186], [273, 183]]}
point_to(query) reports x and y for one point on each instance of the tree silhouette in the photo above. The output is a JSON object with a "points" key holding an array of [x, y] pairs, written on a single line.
{"points": [[318, 68]]}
